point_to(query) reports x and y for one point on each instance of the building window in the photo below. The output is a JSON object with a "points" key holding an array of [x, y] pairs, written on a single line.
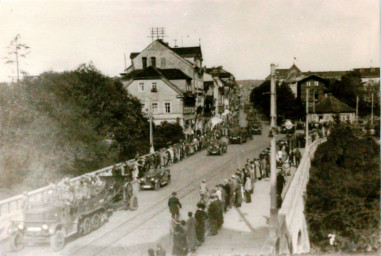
{"points": [[144, 61], [153, 62], [154, 87], [308, 84], [316, 83], [167, 107], [141, 87], [154, 107], [162, 65], [189, 86]]}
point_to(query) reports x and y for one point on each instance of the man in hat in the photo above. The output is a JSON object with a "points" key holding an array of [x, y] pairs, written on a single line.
{"points": [[174, 205], [213, 214]]}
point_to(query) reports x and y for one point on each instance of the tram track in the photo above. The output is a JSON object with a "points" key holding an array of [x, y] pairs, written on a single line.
{"points": [[149, 213]]}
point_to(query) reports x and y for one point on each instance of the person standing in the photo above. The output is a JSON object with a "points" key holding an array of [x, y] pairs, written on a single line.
{"points": [[203, 191], [248, 189], [200, 217], [191, 233], [174, 205], [213, 212], [160, 251], [179, 241], [298, 156], [280, 182], [231, 192]]}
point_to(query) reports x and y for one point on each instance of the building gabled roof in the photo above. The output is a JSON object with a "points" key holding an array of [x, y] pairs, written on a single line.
{"points": [[314, 77], [188, 51], [326, 74], [185, 52], [151, 72], [331, 104]]}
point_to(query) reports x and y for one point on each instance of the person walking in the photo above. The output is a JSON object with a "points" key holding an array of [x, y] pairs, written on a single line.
{"points": [[298, 156], [280, 182], [174, 205], [191, 233], [200, 217], [248, 189], [203, 191]]}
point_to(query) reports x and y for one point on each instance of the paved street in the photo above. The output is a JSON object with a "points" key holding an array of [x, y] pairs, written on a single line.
{"points": [[133, 232]]}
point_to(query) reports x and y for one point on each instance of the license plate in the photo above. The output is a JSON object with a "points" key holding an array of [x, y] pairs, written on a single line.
{"points": [[146, 186], [34, 229]]}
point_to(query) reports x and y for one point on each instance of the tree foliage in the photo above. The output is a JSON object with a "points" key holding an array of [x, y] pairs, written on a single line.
{"points": [[68, 123], [343, 192], [288, 107], [167, 134], [350, 86]]}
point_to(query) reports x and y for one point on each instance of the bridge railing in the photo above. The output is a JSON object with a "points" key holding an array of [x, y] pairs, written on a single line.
{"points": [[292, 226], [12, 206]]}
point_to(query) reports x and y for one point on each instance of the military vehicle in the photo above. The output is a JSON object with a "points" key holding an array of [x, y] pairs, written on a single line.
{"points": [[155, 179], [238, 135], [62, 216], [217, 146]]}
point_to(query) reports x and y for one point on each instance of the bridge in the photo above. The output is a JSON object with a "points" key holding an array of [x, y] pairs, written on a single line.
{"points": [[292, 233]]}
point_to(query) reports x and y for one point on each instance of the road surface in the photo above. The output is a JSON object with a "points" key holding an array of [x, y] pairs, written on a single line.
{"points": [[134, 232]]}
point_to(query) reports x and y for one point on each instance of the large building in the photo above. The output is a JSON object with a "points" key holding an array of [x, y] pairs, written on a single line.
{"points": [[168, 81]]}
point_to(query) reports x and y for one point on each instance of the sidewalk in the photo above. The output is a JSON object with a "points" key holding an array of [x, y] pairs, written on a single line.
{"points": [[246, 229]]}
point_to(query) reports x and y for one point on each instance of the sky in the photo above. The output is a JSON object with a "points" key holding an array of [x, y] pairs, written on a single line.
{"points": [[243, 36]]}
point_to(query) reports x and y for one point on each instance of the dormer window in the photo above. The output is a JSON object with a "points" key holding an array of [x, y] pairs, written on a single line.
{"points": [[144, 62], [153, 62]]}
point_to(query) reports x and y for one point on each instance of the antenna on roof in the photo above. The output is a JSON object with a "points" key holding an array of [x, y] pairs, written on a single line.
{"points": [[157, 33]]}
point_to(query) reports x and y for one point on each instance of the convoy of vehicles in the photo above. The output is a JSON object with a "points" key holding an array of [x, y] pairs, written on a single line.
{"points": [[155, 179], [68, 212]]}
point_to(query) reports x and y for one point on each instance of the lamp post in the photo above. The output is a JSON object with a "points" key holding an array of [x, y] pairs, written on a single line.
{"points": [[273, 130]]}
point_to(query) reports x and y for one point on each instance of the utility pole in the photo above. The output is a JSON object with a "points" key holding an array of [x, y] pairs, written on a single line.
{"points": [[273, 130], [307, 99], [151, 149]]}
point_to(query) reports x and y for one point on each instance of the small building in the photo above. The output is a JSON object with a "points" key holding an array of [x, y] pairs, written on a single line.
{"points": [[329, 107], [317, 85], [369, 76]]}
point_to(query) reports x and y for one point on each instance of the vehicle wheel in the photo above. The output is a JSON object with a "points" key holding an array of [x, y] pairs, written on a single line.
{"points": [[96, 221], [86, 225], [133, 203], [157, 185], [57, 241], [16, 242]]}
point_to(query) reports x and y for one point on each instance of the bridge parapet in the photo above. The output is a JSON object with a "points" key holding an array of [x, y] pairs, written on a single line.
{"points": [[292, 233]]}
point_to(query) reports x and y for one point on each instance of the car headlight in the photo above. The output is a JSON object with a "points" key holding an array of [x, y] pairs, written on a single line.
{"points": [[45, 226], [20, 226]]}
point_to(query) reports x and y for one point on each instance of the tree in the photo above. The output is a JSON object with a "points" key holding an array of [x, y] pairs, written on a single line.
{"points": [[343, 193], [350, 86], [288, 107], [166, 134], [17, 50]]}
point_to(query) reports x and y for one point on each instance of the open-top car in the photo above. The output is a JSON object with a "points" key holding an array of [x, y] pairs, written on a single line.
{"points": [[155, 179], [217, 146]]}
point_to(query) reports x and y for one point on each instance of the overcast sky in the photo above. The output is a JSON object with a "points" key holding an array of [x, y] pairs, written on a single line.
{"points": [[242, 36]]}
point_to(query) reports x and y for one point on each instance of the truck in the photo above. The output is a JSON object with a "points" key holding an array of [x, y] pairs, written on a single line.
{"points": [[59, 218]]}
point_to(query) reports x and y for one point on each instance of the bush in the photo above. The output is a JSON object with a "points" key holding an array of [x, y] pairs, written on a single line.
{"points": [[343, 193]]}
